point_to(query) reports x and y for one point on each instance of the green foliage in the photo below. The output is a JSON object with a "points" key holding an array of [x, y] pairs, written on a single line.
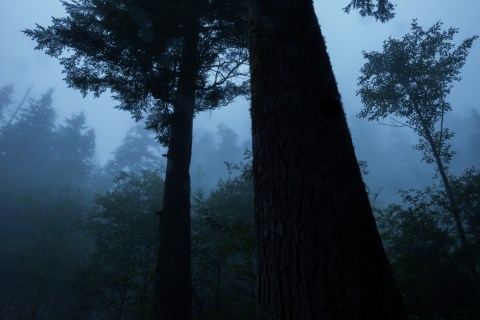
{"points": [[427, 257], [224, 251], [133, 49], [467, 191], [410, 81], [117, 280]]}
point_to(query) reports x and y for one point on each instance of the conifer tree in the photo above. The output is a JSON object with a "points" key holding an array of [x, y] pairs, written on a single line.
{"points": [[163, 60]]}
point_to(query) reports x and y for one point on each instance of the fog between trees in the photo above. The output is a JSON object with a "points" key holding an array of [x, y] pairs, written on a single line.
{"points": [[78, 236]]}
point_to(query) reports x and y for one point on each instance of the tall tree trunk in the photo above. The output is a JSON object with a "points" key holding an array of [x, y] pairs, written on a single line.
{"points": [[319, 252], [173, 287], [454, 208]]}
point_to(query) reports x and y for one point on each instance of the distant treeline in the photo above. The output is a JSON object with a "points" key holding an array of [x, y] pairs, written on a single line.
{"points": [[78, 240]]}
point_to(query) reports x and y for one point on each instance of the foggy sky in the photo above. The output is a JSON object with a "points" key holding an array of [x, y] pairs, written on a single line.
{"points": [[393, 164]]}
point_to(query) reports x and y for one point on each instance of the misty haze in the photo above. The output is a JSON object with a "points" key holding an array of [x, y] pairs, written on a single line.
{"points": [[179, 160]]}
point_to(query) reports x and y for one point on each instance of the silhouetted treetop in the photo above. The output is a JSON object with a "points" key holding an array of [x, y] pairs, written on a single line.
{"points": [[383, 10], [133, 49], [411, 79]]}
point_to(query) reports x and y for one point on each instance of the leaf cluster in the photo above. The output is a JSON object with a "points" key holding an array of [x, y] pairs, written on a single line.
{"points": [[428, 260], [118, 276], [410, 81], [416, 71], [224, 251]]}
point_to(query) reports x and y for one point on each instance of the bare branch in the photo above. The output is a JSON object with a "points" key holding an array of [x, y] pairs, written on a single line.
{"points": [[398, 124]]}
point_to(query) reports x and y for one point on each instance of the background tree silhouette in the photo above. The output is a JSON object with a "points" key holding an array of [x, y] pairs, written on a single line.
{"points": [[163, 60], [409, 82]]}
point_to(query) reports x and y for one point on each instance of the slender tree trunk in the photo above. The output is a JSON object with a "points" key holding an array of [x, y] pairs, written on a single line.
{"points": [[173, 291], [319, 252], [454, 208]]}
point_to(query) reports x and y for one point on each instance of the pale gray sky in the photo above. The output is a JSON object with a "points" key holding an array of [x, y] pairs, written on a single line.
{"points": [[346, 35], [393, 164]]}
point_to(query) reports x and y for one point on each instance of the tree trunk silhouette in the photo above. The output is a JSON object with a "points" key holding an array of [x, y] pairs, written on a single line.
{"points": [[173, 287], [454, 208], [319, 252]]}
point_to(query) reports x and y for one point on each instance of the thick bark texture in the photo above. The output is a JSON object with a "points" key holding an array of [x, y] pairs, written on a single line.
{"points": [[320, 255], [173, 288]]}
